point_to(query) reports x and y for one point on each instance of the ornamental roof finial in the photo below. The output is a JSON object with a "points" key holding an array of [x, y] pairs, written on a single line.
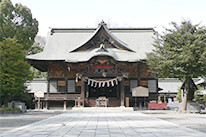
{"points": [[102, 23]]}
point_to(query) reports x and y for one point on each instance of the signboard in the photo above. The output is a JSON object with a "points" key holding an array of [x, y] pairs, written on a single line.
{"points": [[140, 92], [39, 94], [61, 83]]}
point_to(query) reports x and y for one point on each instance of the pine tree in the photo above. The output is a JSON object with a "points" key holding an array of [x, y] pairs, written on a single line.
{"points": [[14, 70], [17, 32], [180, 52]]}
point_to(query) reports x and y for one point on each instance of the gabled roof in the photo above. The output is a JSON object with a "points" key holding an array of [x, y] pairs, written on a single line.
{"points": [[202, 81], [114, 41], [126, 44]]}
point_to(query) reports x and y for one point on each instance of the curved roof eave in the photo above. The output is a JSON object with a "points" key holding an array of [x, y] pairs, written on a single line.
{"points": [[96, 54], [79, 61]]}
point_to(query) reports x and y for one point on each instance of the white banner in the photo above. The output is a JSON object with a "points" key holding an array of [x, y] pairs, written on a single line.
{"points": [[102, 83]]}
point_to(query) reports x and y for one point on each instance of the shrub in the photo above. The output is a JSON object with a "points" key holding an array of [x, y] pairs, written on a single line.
{"points": [[9, 109]]}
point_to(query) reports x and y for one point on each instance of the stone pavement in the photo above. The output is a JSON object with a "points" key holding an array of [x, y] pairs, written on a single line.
{"points": [[102, 124], [12, 121]]}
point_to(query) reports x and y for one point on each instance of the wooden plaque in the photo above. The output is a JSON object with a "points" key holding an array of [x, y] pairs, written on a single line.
{"points": [[39, 94], [140, 92]]}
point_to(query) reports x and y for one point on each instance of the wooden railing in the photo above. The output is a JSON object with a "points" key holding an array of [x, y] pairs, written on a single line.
{"points": [[62, 96]]}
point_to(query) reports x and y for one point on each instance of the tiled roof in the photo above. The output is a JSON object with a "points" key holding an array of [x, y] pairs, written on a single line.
{"points": [[61, 44]]}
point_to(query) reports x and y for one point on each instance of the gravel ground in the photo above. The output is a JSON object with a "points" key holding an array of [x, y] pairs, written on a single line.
{"points": [[11, 121], [190, 120]]}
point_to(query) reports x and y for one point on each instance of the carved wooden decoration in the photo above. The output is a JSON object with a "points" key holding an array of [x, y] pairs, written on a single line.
{"points": [[145, 72], [57, 71]]}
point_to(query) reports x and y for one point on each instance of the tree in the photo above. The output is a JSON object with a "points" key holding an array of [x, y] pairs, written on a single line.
{"points": [[37, 47], [14, 70], [180, 52], [17, 22], [17, 32]]}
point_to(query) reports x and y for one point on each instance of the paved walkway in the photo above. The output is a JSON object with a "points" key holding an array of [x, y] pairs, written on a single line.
{"points": [[102, 124]]}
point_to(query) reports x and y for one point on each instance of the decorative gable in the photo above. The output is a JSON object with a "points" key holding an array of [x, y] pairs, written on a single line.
{"points": [[102, 35]]}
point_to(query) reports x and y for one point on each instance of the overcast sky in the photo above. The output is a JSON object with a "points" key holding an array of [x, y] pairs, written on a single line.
{"points": [[116, 13]]}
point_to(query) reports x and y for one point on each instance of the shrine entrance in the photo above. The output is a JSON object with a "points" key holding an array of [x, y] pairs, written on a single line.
{"points": [[108, 92], [106, 88]]}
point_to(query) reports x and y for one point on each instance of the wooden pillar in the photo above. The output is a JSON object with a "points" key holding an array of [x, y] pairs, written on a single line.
{"points": [[47, 105], [127, 101], [82, 88], [48, 82], [38, 102], [79, 102], [65, 105], [48, 86], [122, 92], [47, 95]]}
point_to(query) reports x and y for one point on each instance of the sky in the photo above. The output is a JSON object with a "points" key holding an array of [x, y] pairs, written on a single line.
{"points": [[116, 13]]}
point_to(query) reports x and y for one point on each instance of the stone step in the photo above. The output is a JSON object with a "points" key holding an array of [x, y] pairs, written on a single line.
{"points": [[103, 109]]}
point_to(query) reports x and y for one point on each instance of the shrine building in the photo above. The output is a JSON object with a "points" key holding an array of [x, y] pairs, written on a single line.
{"points": [[89, 63]]}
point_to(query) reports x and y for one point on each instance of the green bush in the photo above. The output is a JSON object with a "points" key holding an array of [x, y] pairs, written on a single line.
{"points": [[204, 99], [178, 95], [9, 109]]}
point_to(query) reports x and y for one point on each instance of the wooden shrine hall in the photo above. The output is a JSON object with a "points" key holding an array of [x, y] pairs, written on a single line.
{"points": [[90, 64]]}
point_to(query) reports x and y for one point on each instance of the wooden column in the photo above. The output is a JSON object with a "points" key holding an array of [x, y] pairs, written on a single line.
{"points": [[65, 105], [47, 105], [38, 102], [122, 92], [47, 95], [82, 88], [138, 75]]}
